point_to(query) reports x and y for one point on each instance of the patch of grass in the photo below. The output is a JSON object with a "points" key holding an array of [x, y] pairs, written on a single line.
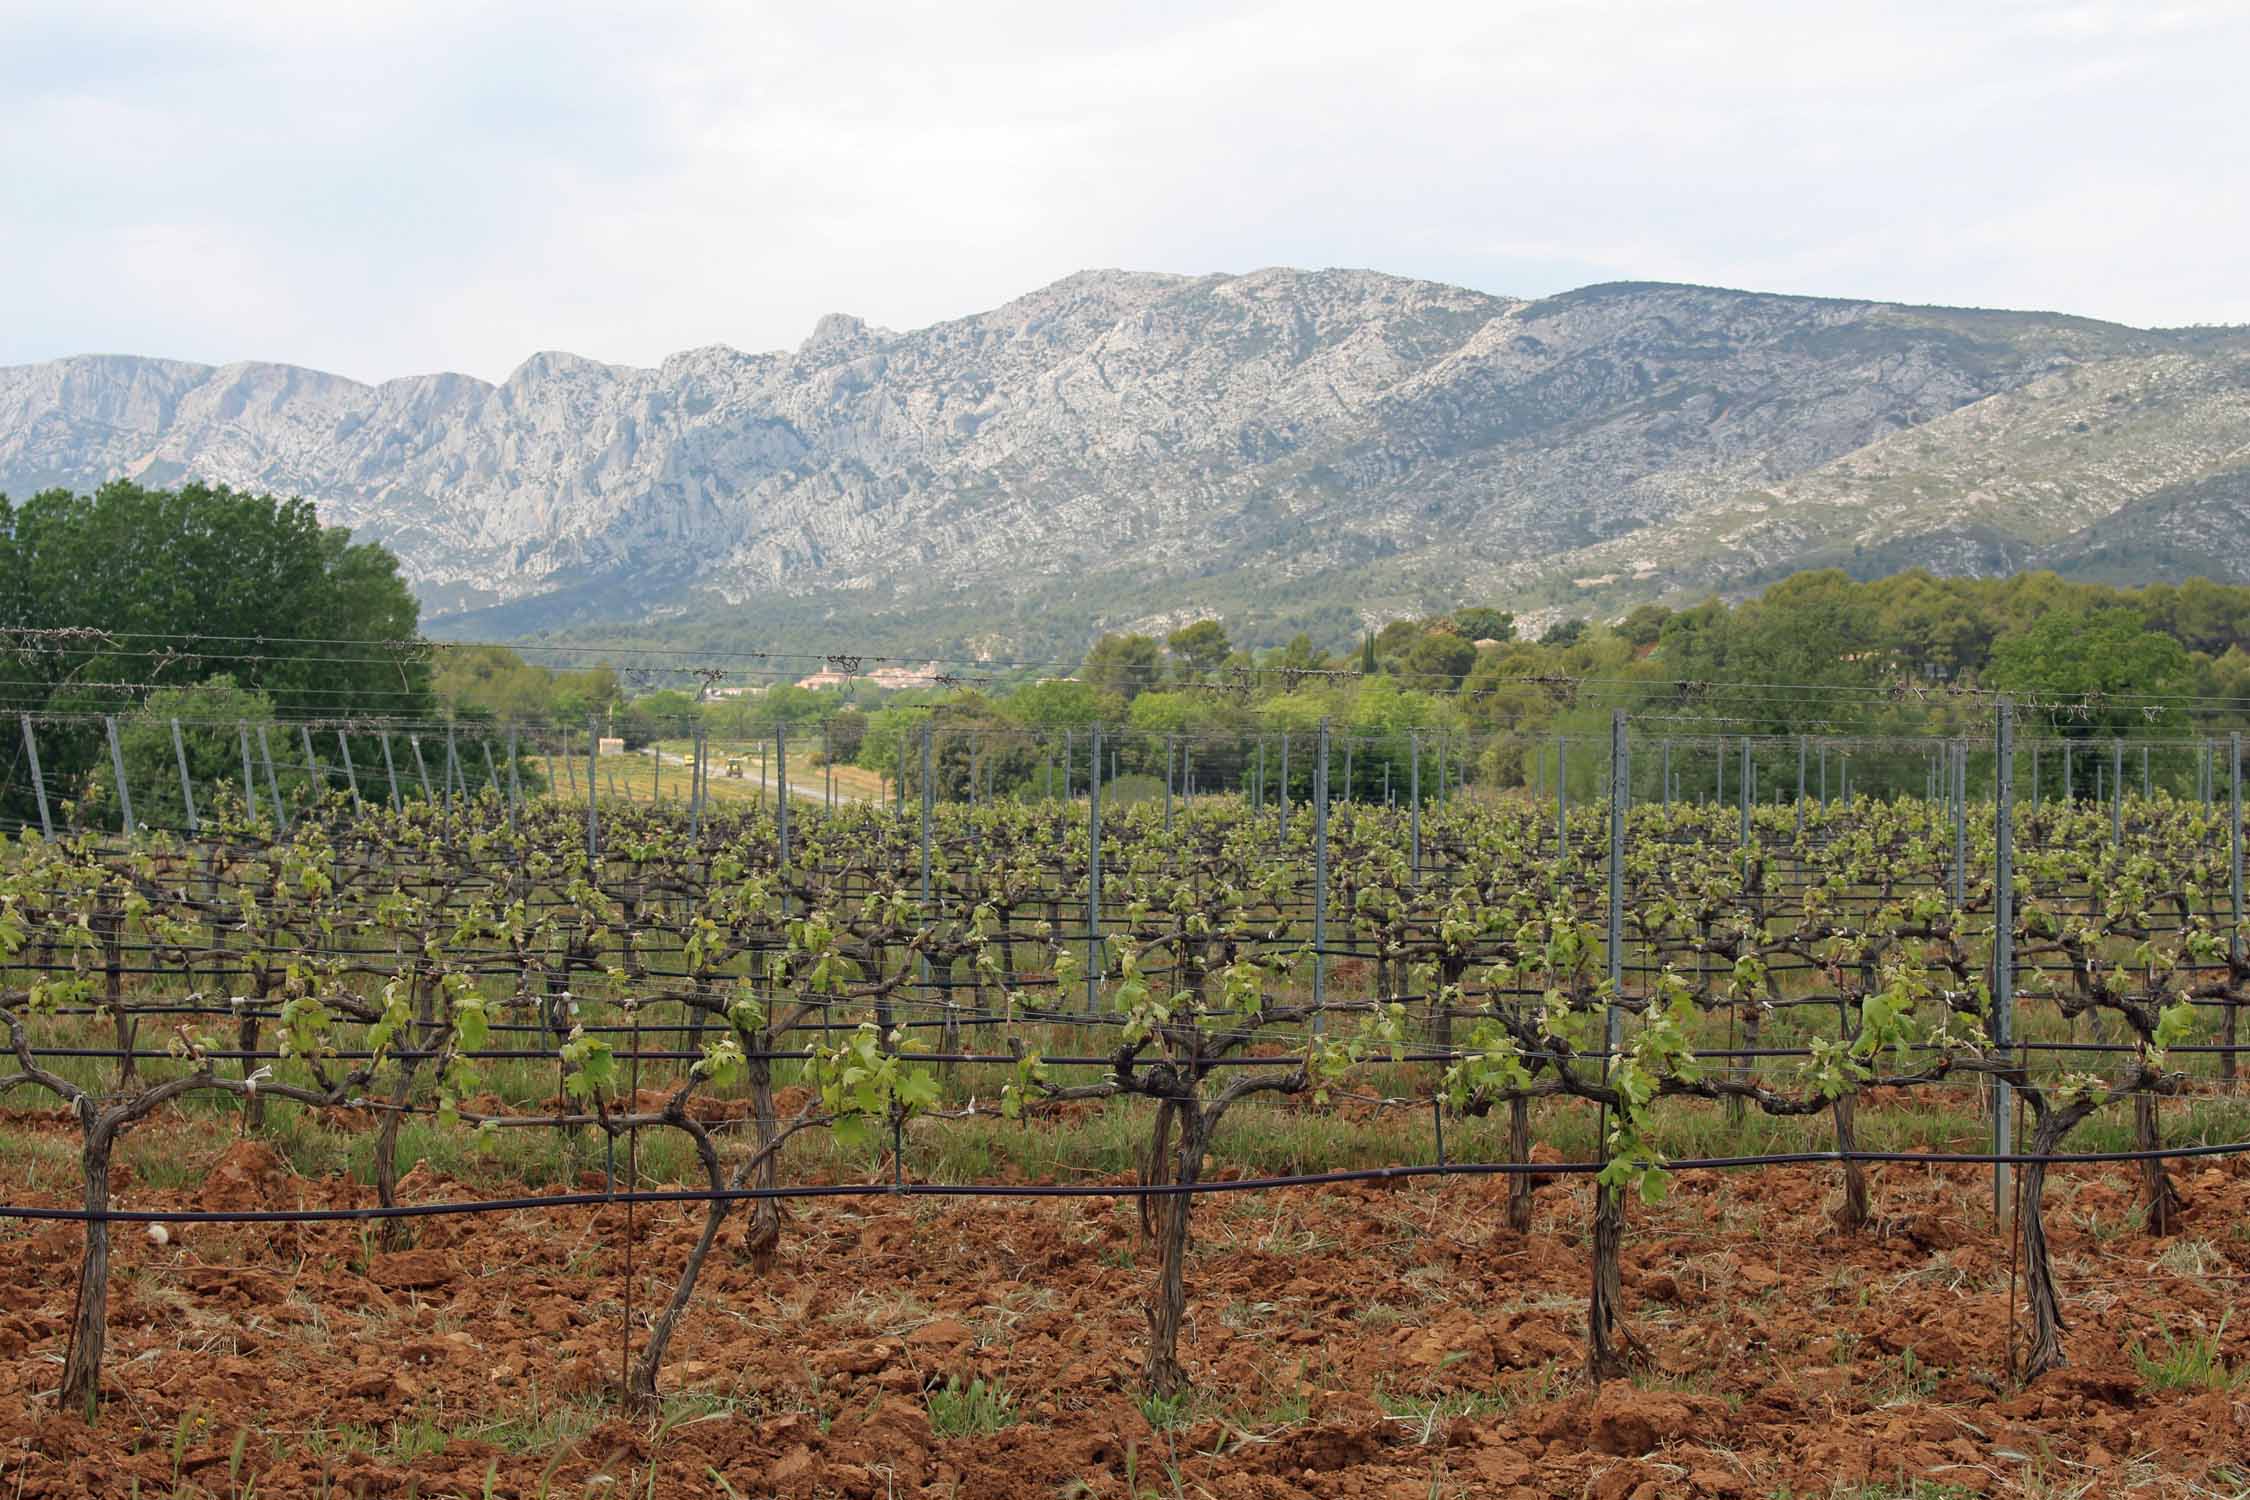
{"points": [[43, 1163], [977, 1409], [1165, 1413], [2193, 1259], [1377, 1315], [1914, 1380], [547, 1426], [1286, 1410], [2188, 1362], [1425, 1417]]}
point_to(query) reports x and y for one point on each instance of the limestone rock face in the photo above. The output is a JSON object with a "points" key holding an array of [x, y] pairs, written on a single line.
{"points": [[1198, 442]]}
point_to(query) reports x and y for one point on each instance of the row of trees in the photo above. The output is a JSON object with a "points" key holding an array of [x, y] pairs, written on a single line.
{"points": [[1819, 653], [190, 585]]}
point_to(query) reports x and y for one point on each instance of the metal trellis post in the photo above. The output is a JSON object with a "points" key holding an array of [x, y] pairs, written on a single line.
{"points": [[250, 778], [187, 788], [1094, 873], [1620, 779], [699, 780], [2117, 792], [273, 782], [1414, 797], [2234, 862], [2003, 950], [38, 783], [1285, 786], [1168, 753], [117, 762], [781, 791], [1742, 837], [389, 768], [1320, 879], [929, 812], [312, 761], [351, 772], [593, 758], [1958, 776], [1562, 798]]}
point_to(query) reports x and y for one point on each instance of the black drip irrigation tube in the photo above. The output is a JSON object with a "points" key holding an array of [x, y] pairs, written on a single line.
{"points": [[1095, 1190]]}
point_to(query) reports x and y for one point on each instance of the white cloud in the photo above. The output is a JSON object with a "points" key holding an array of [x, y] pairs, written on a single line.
{"points": [[392, 187]]}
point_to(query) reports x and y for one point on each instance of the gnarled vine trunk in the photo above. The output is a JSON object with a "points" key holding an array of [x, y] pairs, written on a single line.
{"points": [[1519, 1152], [2160, 1201], [1610, 1345], [1852, 1213], [398, 1233], [89, 1330], [2047, 1325], [246, 1042], [762, 1238], [1163, 1374], [640, 1385]]}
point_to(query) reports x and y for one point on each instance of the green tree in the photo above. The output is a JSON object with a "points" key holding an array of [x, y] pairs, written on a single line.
{"points": [[1123, 665], [1480, 624], [1060, 703], [665, 714], [847, 731], [1299, 655], [1393, 639], [189, 583], [578, 694], [172, 587], [1644, 626], [1199, 648], [1438, 661], [495, 680], [1812, 630], [2088, 675], [213, 716]]}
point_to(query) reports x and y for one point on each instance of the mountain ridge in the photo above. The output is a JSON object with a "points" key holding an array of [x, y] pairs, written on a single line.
{"points": [[1119, 442]]}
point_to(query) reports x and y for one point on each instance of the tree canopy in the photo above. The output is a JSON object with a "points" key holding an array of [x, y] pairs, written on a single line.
{"points": [[133, 596], [174, 586]]}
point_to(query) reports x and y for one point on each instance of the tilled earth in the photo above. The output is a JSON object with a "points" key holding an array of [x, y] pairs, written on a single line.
{"points": [[1365, 1340]]}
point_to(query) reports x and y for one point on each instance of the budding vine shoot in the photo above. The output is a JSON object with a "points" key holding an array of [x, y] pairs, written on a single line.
{"points": [[1678, 955]]}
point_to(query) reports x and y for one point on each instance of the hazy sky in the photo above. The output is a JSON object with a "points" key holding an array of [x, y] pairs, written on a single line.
{"points": [[395, 188]]}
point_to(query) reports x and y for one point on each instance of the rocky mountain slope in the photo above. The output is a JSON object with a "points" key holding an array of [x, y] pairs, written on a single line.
{"points": [[1117, 446]]}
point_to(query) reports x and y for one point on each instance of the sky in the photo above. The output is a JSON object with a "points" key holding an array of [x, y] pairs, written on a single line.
{"points": [[391, 189]]}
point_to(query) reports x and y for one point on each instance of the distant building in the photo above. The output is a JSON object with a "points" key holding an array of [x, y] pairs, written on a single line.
{"points": [[892, 679], [826, 678]]}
